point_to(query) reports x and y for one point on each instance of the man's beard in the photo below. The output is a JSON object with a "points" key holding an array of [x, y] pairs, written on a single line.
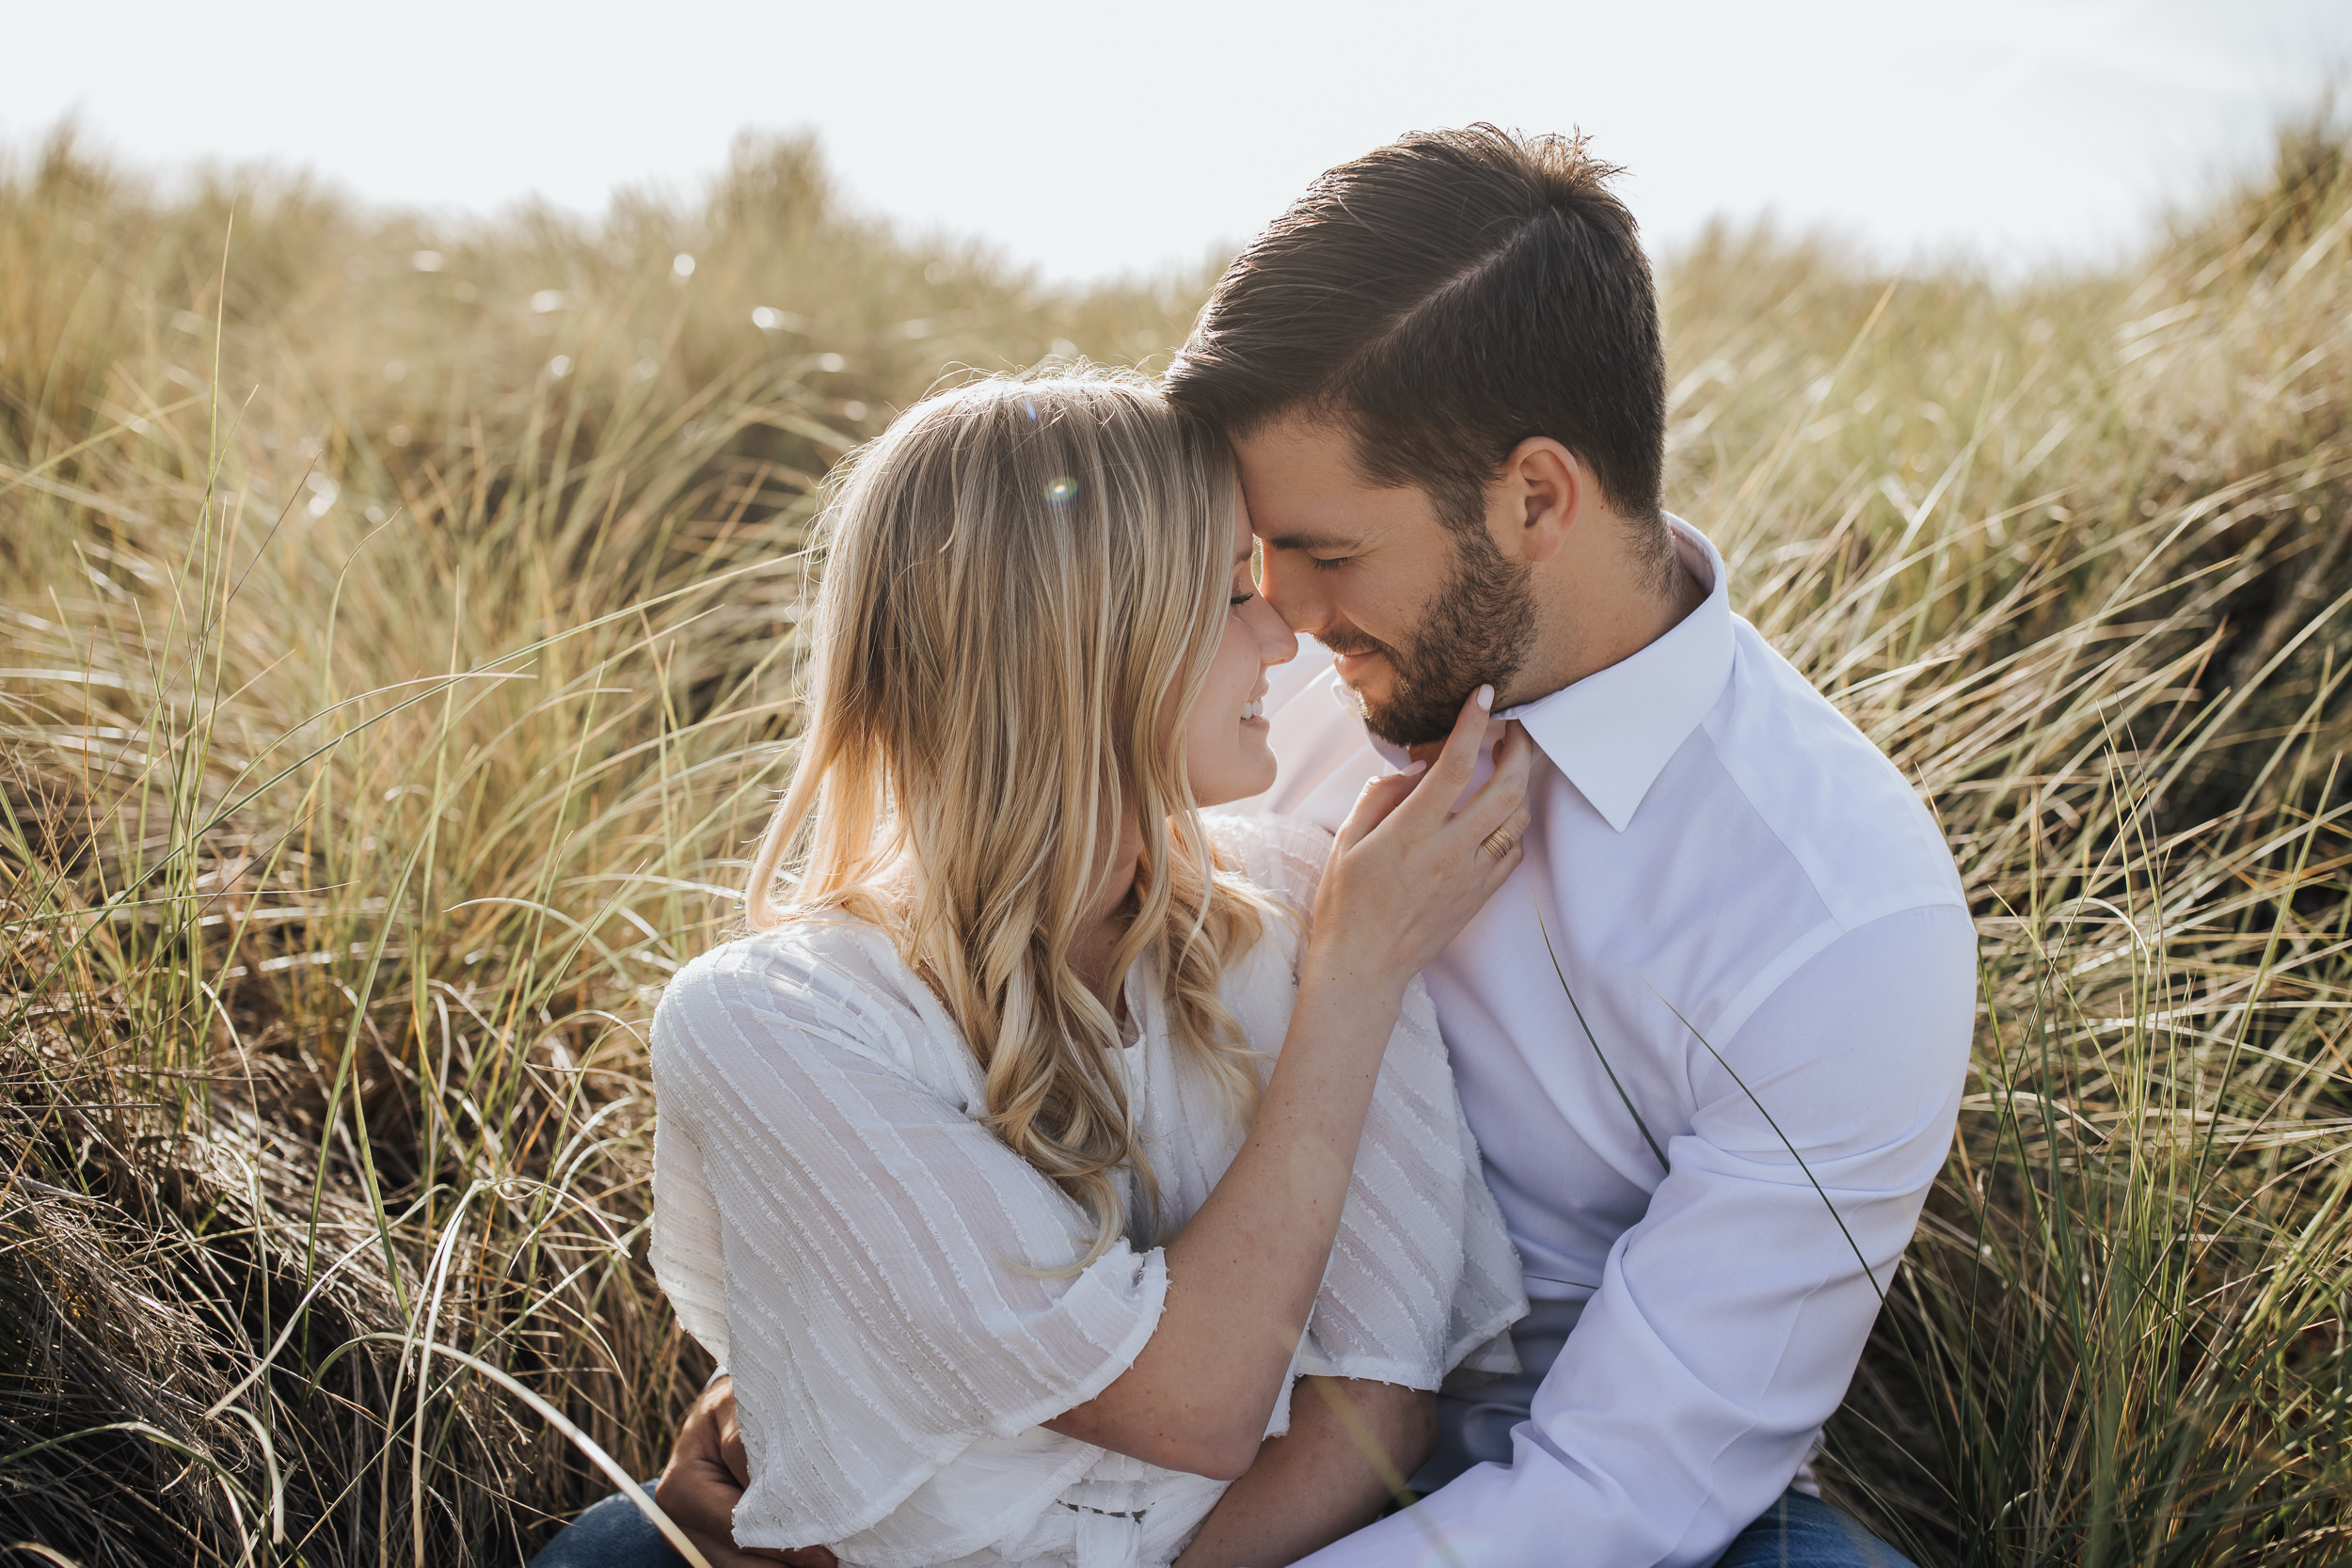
{"points": [[1475, 631]]}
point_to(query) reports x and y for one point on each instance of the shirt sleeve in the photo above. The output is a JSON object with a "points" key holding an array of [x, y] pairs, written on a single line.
{"points": [[887, 1266], [1730, 1318]]}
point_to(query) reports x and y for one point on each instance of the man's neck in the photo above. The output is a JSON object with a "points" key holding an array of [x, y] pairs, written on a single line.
{"points": [[1596, 624]]}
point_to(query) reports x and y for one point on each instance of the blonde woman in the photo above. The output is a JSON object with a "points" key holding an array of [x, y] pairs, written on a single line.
{"points": [[1043, 1133]]}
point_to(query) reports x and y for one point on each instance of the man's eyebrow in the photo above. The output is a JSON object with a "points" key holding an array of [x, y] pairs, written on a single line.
{"points": [[1311, 542]]}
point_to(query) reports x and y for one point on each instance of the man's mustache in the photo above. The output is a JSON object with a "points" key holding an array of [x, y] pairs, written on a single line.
{"points": [[1351, 644]]}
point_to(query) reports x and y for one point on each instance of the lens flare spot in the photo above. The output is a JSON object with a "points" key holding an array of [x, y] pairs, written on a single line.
{"points": [[323, 492], [1059, 491]]}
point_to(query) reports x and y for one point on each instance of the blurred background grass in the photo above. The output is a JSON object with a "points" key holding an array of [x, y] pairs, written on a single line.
{"points": [[398, 621]]}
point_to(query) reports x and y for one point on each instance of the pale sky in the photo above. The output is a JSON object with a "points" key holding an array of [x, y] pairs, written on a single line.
{"points": [[1097, 138]]}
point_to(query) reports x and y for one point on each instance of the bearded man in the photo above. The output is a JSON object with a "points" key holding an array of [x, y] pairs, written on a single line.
{"points": [[1711, 1036]]}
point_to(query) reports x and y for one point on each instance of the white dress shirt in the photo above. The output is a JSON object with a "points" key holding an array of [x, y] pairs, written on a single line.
{"points": [[837, 1223], [1766, 938]]}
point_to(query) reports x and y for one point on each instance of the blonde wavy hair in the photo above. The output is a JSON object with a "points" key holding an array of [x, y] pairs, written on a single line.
{"points": [[1017, 575]]}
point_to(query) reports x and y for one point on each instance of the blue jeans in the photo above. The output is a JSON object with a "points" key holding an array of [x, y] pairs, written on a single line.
{"points": [[610, 1534], [1798, 1531]]}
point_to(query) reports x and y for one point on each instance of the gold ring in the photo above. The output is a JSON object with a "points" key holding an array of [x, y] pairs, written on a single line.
{"points": [[1498, 844]]}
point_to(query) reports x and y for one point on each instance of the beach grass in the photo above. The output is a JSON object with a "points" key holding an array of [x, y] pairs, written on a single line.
{"points": [[398, 627]]}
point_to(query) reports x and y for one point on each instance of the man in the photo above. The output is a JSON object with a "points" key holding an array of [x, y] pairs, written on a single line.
{"points": [[1711, 1033]]}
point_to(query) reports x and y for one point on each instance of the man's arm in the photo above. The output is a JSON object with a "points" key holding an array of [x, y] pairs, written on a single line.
{"points": [[705, 1480], [1729, 1320], [1350, 1446]]}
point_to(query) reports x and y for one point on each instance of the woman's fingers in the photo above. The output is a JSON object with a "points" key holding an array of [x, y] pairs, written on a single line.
{"points": [[1374, 802], [1504, 793], [1513, 840], [1458, 760], [1407, 872], [1516, 757]]}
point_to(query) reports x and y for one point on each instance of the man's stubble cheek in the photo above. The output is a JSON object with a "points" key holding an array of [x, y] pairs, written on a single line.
{"points": [[1476, 630]]}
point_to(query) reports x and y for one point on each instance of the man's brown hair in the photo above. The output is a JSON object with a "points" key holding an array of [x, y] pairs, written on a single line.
{"points": [[1444, 299]]}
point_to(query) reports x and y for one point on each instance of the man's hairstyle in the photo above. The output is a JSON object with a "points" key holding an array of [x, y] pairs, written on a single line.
{"points": [[1445, 299]]}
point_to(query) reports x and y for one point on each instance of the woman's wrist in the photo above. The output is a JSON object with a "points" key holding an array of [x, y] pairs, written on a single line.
{"points": [[1354, 985]]}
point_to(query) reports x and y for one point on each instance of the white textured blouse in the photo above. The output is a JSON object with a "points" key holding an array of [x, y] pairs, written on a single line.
{"points": [[834, 1222]]}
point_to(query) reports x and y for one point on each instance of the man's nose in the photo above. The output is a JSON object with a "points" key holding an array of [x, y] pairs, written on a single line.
{"points": [[1289, 588], [1277, 643]]}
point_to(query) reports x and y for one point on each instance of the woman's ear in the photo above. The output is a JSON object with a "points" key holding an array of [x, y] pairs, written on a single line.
{"points": [[1544, 490]]}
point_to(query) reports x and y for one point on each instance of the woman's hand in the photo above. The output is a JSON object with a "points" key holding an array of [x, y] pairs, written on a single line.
{"points": [[1408, 871]]}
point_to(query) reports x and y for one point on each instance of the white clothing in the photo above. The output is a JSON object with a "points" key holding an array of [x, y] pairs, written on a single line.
{"points": [[1722, 863], [834, 1222]]}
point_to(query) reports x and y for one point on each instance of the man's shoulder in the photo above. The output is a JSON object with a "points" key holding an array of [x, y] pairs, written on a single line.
{"points": [[1859, 831]]}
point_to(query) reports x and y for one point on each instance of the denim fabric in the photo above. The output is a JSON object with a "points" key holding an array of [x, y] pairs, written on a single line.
{"points": [[1798, 1532], [612, 1534]]}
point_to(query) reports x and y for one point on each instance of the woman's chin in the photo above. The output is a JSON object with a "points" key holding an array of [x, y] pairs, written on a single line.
{"points": [[1235, 784]]}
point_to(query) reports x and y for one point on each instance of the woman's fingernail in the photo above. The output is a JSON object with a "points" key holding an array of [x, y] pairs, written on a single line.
{"points": [[1412, 771], [1487, 697]]}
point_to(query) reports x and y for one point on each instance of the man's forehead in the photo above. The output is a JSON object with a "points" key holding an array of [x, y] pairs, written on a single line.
{"points": [[1305, 491], [1293, 450]]}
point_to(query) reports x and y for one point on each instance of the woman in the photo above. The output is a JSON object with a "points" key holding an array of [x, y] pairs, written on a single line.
{"points": [[1043, 1133]]}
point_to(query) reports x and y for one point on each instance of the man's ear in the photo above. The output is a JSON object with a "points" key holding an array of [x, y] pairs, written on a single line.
{"points": [[1544, 489]]}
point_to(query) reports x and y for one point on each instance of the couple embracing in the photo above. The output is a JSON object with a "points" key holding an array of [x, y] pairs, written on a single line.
{"points": [[1181, 1098]]}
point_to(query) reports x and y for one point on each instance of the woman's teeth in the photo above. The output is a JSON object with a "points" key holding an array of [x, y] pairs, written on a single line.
{"points": [[1254, 710]]}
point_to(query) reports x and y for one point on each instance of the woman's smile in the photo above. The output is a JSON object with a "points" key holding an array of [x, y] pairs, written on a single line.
{"points": [[1225, 767]]}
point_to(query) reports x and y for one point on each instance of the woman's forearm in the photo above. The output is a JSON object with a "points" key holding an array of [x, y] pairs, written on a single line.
{"points": [[1243, 1274], [1406, 872]]}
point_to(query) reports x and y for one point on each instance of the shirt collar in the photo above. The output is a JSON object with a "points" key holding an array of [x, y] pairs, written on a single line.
{"points": [[1612, 732]]}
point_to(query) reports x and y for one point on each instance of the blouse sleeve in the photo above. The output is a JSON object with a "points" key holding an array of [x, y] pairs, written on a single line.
{"points": [[1423, 1278], [886, 1267]]}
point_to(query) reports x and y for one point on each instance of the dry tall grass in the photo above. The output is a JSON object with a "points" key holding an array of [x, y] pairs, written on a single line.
{"points": [[375, 735]]}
